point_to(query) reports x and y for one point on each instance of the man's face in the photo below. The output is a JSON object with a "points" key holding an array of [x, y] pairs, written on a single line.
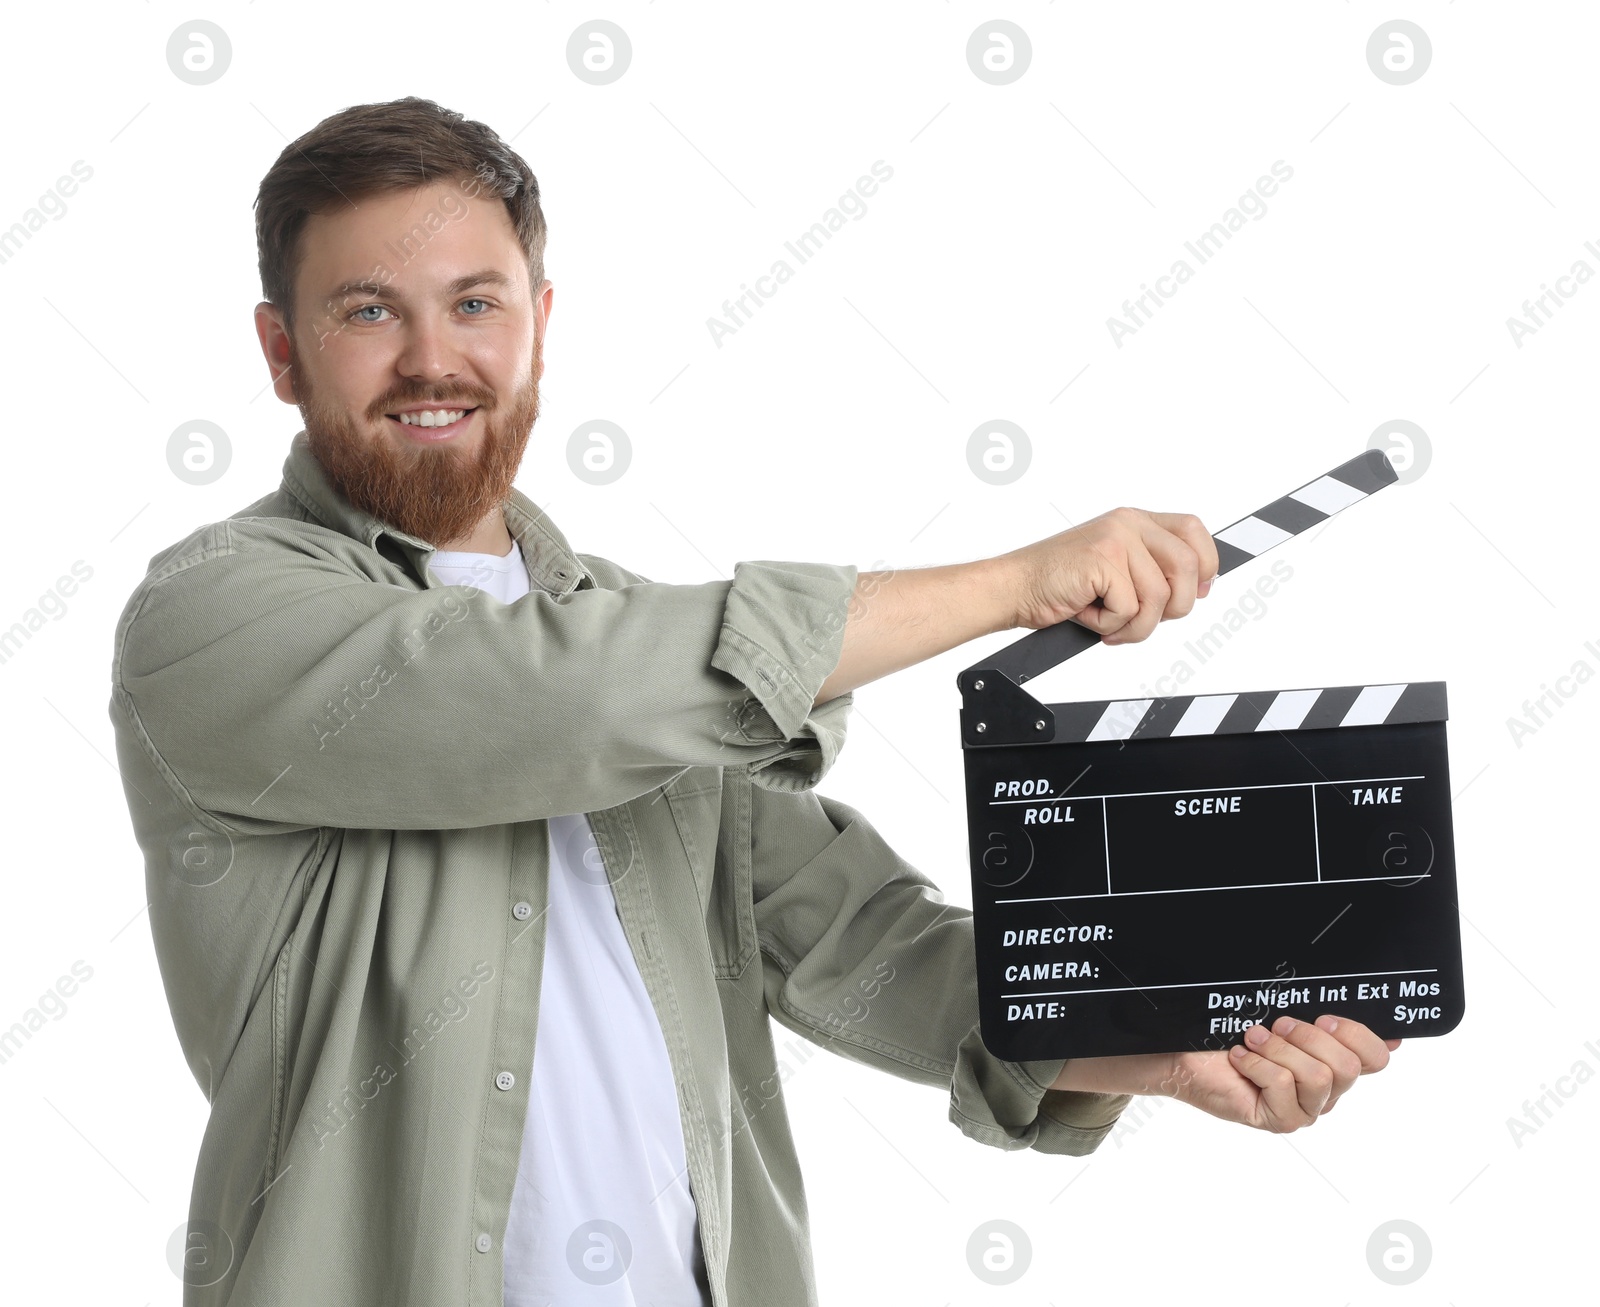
{"points": [[445, 320]]}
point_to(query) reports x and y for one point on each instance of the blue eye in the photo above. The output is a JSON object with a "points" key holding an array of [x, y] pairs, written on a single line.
{"points": [[365, 308]]}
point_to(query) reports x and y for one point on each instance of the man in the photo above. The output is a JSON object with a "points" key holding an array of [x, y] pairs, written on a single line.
{"points": [[477, 866]]}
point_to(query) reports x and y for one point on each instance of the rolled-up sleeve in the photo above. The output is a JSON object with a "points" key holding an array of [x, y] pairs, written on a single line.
{"points": [[1009, 1104], [782, 634], [862, 955]]}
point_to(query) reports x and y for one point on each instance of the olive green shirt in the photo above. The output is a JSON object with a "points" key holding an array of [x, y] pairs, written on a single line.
{"points": [[339, 772]]}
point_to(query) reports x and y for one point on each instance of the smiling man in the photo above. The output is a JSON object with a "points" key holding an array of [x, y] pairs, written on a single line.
{"points": [[449, 449], [479, 868]]}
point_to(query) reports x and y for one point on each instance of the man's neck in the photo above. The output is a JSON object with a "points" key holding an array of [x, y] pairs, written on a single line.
{"points": [[490, 536]]}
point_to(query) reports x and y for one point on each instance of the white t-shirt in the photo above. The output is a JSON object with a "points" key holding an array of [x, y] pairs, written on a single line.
{"points": [[602, 1211]]}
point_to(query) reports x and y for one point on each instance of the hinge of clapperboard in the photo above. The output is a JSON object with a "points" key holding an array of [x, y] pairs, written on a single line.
{"points": [[995, 709]]}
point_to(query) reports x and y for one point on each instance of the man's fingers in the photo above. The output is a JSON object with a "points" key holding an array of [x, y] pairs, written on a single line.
{"points": [[1193, 532], [1313, 1078], [1359, 1039], [1342, 1061], [1148, 567], [1280, 1100], [1153, 590], [1361, 1046], [1179, 563], [1119, 603]]}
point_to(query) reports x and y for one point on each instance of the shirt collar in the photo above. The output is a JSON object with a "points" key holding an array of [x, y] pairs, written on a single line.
{"points": [[551, 564]]}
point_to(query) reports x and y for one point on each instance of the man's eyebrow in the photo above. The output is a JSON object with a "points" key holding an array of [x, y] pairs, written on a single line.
{"points": [[367, 286]]}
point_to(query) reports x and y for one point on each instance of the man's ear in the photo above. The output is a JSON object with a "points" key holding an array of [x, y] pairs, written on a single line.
{"points": [[275, 348], [542, 304]]}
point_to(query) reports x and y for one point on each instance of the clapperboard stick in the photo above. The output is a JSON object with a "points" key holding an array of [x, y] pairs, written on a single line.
{"points": [[1248, 538]]}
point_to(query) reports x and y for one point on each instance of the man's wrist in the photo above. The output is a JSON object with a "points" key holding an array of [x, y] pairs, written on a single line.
{"points": [[1142, 1073], [995, 581]]}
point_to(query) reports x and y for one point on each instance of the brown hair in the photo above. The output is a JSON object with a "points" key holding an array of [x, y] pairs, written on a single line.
{"points": [[369, 149]]}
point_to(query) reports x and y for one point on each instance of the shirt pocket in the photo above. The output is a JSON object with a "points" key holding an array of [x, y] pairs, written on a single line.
{"points": [[713, 820]]}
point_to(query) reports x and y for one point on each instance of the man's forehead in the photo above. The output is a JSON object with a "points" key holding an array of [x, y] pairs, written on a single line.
{"points": [[505, 280], [432, 240]]}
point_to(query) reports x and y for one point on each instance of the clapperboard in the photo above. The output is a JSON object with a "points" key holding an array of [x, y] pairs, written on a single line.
{"points": [[1157, 875]]}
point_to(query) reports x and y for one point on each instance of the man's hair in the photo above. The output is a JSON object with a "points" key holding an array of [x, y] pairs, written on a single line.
{"points": [[369, 149]]}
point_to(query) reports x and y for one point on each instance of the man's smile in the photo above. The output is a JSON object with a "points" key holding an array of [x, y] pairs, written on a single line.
{"points": [[432, 424]]}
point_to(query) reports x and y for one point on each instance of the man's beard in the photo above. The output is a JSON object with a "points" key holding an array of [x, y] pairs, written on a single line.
{"points": [[432, 492]]}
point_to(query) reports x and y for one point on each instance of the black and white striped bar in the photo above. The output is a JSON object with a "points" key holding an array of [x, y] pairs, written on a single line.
{"points": [[1302, 509], [1237, 714]]}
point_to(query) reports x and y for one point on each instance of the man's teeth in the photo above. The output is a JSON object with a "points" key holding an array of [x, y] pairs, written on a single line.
{"points": [[439, 417]]}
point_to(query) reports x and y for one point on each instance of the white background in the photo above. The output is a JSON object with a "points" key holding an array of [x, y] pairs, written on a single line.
{"points": [[834, 427]]}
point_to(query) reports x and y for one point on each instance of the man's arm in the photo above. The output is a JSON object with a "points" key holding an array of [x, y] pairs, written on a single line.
{"points": [[903, 617], [861, 955], [1118, 574], [275, 687]]}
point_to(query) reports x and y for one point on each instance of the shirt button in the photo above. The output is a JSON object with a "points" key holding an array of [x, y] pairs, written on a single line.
{"points": [[483, 1243], [522, 911], [504, 1080]]}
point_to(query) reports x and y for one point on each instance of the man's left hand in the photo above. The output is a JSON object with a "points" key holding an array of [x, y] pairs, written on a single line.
{"points": [[1284, 1078], [1277, 1080]]}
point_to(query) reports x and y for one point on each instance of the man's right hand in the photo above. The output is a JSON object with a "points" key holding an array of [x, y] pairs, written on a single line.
{"points": [[1118, 574]]}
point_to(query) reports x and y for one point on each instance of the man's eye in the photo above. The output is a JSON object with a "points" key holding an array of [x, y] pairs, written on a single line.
{"points": [[485, 303], [365, 308]]}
